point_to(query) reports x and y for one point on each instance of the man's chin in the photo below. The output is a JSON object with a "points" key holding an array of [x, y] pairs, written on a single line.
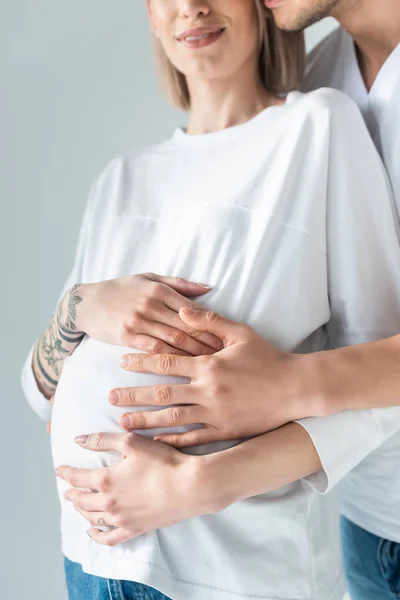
{"points": [[293, 23]]}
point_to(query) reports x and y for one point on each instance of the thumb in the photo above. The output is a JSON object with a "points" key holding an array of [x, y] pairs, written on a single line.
{"points": [[210, 321]]}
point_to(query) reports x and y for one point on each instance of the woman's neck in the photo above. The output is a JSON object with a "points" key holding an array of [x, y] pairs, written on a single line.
{"points": [[220, 103]]}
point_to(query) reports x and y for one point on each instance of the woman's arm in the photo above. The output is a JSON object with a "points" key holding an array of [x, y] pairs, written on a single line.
{"points": [[57, 343], [175, 486]]}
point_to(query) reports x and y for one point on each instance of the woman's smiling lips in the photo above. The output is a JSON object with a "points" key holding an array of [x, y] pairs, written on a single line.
{"points": [[200, 37], [273, 3]]}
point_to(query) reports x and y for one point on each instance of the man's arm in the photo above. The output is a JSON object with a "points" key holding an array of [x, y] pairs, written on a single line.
{"points": [[352, 378]]}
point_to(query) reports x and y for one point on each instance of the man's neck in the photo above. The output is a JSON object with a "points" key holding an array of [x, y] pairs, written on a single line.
{"points": [[375, 27]]}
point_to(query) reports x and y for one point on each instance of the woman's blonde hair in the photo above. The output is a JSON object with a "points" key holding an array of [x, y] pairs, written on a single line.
{"points": [[281, 62]]}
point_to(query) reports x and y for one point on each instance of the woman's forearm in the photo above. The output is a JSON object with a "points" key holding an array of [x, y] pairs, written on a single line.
{"points": [[258, 466], [57, 343], [352, 378]]}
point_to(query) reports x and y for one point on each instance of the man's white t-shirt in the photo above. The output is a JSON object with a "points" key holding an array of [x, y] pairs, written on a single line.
{"points": [[370, 495], [289, 218]]}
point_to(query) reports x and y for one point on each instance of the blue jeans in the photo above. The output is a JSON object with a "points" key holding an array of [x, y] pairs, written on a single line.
{"points": [[372, 564], [82, 586]]}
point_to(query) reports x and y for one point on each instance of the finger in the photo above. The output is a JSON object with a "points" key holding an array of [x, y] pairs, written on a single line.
{"points": [[112, 538], [97, 519], [190, 439], [175, 337], [205, 320], [80, 478], [102, 442], [146, 343], [157, 395], [161, 364], [179, 284], [175, 416], [173, 319], [89, 501]]}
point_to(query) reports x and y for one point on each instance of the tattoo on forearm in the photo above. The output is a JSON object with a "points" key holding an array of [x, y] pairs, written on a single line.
{"points": [[73, 301], [58, 341]]}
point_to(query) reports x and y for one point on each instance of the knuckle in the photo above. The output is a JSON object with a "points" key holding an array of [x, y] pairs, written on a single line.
{"points": [[110, 505], [166, 363], [140, 421], [158, 291], [177, 441], [95, 440], [212, 316], [128, 397], [155, 347], [105, 482], [211, 369], [128, 440], [132, 323], [177, 338], [192, 332], [163, 395], [147, 304], [110, 543], [175, 416]]}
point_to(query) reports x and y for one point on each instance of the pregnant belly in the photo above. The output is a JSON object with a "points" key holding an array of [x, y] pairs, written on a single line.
{"points": [[81, 404]]}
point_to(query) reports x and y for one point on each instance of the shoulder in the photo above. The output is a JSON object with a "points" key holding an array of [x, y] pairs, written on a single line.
{"points": [[123, 167], [328, 102], [119, 178], [322, 59]]}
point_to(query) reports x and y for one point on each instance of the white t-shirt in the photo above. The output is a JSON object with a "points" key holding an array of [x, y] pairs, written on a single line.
{"points": [[292, 243], [371, 493]]}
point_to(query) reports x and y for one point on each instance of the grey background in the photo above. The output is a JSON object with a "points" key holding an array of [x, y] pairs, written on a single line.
{"points": [[77, 87]]}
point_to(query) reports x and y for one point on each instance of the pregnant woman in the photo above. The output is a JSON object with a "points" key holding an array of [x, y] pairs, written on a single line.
{"points": [[278, 202]]}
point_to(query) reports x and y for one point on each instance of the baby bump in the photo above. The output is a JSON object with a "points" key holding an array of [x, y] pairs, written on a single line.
{"points": [[81, 403]]}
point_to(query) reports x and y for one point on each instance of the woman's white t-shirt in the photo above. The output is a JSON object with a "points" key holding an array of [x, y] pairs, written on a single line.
{"points": [[290, 220]]}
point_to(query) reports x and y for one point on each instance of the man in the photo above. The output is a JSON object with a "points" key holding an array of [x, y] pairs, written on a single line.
{"points": [[362, 58]]}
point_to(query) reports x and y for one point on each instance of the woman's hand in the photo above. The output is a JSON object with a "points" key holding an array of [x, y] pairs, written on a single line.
{"points": [[141, 311], [153, 486]]}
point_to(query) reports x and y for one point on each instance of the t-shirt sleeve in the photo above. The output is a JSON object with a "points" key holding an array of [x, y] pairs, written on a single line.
{"points": [[35, 398], [363, 263]]}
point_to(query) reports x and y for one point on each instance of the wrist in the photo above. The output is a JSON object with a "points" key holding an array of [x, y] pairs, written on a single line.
{"points": [[308, 394], [214, 488]]}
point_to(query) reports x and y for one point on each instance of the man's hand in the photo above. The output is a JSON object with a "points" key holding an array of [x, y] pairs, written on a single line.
{"points": [[153, 486], [246, 389]]}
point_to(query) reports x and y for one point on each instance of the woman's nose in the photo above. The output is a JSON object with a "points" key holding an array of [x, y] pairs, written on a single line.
{"points": [[195, 8]]}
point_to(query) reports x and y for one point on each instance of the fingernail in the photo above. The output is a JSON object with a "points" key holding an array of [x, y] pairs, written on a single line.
{"points": [[114, 398], [124, 362], [125, 421], [203, 285], [81, 439], [58, 471], [87, 531]]}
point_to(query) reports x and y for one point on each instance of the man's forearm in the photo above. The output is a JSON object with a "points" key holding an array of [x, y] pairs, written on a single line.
{"points": [[57, 343], [351, 378], [265, 463]]}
